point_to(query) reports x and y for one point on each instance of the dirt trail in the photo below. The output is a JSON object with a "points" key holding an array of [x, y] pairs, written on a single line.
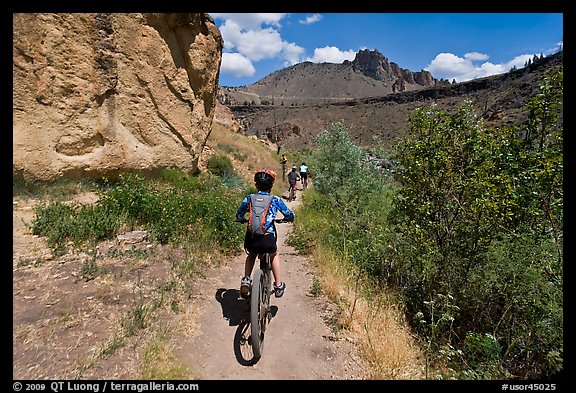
{"points": [[299, 343], [62, 320]]}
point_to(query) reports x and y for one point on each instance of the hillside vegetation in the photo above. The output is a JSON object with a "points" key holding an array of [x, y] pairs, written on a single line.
{"points": [[467, 232], [501, 100]]}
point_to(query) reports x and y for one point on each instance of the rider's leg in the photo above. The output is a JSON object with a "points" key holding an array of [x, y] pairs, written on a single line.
{"points": [[249, 264], [276, 268], [279, 285], [246, 282]]}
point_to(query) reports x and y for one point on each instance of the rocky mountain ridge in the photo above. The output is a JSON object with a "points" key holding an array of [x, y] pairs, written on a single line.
{"points": [[500, 100], [370, 74]]}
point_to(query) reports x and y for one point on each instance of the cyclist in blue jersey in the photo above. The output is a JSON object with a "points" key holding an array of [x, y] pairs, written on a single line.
{"points": [[258, 244]]}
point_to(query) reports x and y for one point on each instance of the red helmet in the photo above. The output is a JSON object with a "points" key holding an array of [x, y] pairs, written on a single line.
{"points": [[265, 176]]}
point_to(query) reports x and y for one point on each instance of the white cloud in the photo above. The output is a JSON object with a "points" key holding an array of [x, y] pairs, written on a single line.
{"points": [[311, 19], [251, 21], [292, 53], [557, 48], [260, 44], [245, 37], [237, 65], [331, 54], [476, 56], [518, 62], [451, 67]]}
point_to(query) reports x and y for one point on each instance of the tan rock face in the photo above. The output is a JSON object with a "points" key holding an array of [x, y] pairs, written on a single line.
{"points": [[96, 94]]}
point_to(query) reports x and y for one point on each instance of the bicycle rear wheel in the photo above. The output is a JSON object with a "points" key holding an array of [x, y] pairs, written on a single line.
{"points": [[259, 302]]}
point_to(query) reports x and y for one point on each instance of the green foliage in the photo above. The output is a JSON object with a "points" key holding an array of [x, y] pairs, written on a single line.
{"points": [[439, 316], [173, 208], [54, 221], [472, 238], [90, 270], [316, 289], [220, 165], [518, 293], [479, 216], [484, 355], [349, 204]]}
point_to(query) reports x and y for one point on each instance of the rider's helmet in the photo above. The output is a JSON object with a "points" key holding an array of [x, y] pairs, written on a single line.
{"points": [[264, 179], [293, 167]]}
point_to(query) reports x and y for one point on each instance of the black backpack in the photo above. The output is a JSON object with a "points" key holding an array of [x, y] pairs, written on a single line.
{"points": [[259, 205]]}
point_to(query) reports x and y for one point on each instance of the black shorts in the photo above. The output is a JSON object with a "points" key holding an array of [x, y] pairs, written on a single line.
{"points": [[304, 175], [260, 244]]}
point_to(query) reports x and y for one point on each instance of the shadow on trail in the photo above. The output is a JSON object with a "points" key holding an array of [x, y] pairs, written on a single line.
{"points": [[236, 311]]}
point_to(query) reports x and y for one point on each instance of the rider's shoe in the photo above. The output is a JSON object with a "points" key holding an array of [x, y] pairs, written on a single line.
{"points": [[245, 285], [279, 291]]}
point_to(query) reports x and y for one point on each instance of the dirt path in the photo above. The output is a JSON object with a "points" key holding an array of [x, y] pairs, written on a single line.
{"points": [[63, 320], [299, 343]]}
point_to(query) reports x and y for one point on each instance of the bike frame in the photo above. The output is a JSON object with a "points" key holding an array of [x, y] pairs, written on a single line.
{"points": [[260, 303], [292, 195]]}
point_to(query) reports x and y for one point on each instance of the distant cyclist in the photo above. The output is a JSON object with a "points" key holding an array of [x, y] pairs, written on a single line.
{"points": [[283, 161], [258, 244], [293, 177], [304, 175]]}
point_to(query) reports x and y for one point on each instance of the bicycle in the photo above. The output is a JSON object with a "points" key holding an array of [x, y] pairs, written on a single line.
{"points": [[304, 183], [292, 195], [259, 302]]}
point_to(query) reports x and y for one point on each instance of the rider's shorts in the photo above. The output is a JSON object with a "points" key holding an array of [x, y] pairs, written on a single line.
{"points": [[260, 244]]}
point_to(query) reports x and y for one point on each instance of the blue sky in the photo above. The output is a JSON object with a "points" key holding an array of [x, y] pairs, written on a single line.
{"points": [[460, 46]]}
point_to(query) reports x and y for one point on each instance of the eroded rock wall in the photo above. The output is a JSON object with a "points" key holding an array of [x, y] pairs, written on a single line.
{"points": [[97, 94]]}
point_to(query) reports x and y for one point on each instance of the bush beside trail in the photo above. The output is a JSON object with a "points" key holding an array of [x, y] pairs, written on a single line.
{"points": [[467, 230]]}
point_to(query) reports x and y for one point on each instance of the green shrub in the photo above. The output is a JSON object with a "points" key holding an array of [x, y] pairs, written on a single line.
{"points": [[220, 165], [479, 216], [349, 203], [173, 208]]}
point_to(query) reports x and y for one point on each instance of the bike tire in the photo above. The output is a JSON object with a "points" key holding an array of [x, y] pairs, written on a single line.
{"points": [[259, 300]]}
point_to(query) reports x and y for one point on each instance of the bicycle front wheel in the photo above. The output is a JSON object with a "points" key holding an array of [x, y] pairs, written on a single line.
{"points": [[259, 301]]}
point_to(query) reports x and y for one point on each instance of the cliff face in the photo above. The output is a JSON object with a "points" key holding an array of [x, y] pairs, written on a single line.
{"points": [[95, 94], [374, 65]]}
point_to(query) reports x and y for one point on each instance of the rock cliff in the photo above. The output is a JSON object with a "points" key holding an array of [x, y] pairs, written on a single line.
{"points": [[98, 94], [374, 65]]}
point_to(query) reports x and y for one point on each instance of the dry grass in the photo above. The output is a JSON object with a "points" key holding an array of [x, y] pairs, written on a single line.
{"points": [[247, 154], [160, 363], [375, 321]]}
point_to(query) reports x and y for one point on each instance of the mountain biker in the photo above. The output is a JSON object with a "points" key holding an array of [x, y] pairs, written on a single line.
{"points": [[259, 244], [293, 177], [304, 173], [283, 161]]}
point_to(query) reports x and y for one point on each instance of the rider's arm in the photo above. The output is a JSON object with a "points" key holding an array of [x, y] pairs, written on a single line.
{"points": [[285, 210], [243, 209]]}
